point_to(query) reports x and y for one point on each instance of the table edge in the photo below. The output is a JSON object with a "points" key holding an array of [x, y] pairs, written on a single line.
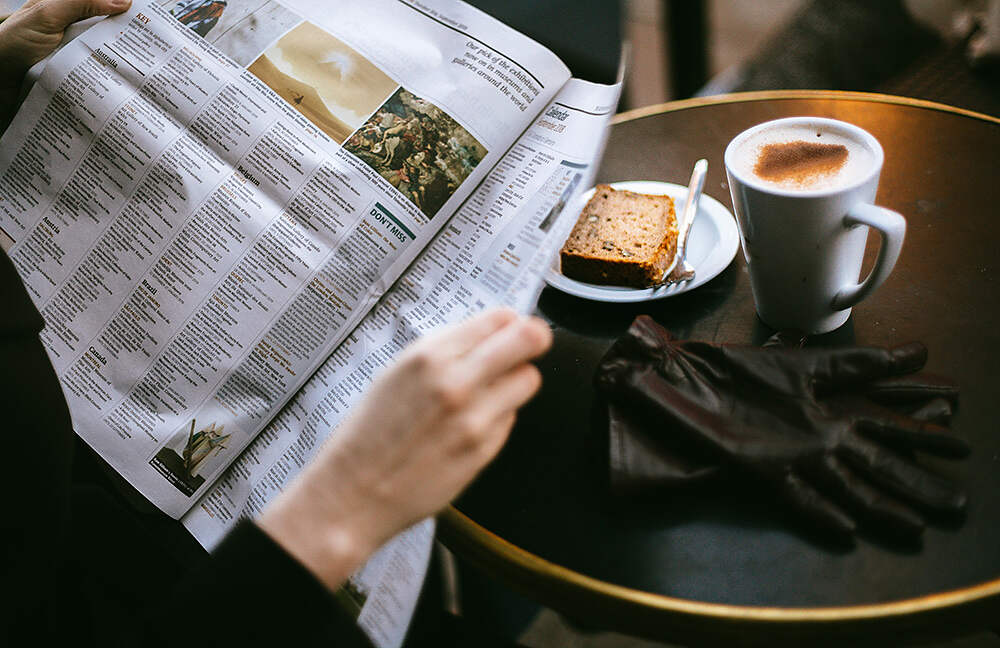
{"points": [[770, 95], [466, 537]]}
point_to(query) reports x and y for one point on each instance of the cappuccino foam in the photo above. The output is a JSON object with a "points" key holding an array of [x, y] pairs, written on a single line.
{"points": [[803, 158]]}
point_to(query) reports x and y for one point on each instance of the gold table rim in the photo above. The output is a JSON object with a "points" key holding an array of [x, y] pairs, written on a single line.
{"points": [[460, 524], [770, 95]]}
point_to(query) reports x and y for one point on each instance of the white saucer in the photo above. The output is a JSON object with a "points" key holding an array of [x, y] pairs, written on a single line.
{"points": [[713, 244]]}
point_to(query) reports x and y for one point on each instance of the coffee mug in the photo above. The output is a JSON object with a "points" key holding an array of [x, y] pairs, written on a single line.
{"points": [[803, 190]]}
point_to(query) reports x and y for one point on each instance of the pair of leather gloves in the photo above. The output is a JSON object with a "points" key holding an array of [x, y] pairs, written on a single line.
{"points": [[831, 430]]}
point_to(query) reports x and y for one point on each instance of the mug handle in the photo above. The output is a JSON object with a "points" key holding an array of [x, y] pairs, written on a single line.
{"points": [[892, 227]]}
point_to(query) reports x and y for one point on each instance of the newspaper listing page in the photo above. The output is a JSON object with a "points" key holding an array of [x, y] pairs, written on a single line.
{"points": [[205, 198], [494, 251]]}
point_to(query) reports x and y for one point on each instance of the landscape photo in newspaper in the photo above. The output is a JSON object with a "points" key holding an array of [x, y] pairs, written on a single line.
{"points": [[421, 150], [326, 80]]}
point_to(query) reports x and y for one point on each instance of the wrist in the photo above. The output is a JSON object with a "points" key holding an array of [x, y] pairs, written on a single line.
{"points": [[330, 544]]}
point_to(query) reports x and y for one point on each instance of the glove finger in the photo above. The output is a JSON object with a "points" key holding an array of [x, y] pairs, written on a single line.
{"points": [[816, 508], [893, 428], [833, 369], [882, 510], [938, 410], [913, 388], [901, 477]]}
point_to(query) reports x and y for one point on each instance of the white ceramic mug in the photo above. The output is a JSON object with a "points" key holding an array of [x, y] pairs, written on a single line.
{"points": [[804, 247]]}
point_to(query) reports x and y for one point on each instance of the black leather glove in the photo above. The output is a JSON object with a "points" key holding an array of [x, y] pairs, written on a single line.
{"points": [[825, 427]]}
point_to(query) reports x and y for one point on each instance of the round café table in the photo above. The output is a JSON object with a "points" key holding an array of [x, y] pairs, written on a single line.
{"points": [[724, 562]]}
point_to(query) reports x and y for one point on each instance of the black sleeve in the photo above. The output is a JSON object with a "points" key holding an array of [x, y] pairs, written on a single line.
{"points": [[251, 592], [37, 451]]}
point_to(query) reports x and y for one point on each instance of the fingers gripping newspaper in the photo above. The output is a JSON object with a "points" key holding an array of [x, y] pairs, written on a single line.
{"points": [[233, 214]]}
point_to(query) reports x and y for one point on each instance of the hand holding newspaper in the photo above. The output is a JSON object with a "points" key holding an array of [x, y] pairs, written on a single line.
{"points": [[232, 215]]}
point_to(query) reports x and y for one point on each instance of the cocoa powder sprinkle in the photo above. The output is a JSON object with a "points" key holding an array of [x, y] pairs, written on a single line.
{"points": [[799, 162]]}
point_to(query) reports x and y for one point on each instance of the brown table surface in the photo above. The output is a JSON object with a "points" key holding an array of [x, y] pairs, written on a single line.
{"points": [[722, 562]]}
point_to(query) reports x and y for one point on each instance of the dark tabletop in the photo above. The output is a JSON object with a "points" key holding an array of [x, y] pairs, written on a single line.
{"points": [[541, 515]]}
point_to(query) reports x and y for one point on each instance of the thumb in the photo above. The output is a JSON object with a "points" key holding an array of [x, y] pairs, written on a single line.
{"points": [[54, 16], [834, 369]]}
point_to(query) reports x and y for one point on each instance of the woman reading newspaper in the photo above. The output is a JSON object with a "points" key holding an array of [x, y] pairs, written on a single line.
{"points": [[85, 566]]}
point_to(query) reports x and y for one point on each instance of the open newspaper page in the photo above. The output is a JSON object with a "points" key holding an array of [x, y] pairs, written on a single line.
{"points": [[495, 250], [206, 197]]}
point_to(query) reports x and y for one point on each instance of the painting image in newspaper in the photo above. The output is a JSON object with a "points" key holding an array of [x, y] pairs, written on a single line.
{"points": [[421, 150]]}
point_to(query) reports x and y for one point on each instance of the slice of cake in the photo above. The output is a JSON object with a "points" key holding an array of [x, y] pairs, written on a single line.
{"points": [[621, 238]]}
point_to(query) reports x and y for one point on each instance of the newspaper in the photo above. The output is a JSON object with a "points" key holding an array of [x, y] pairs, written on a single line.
{"points": [[233, 214]]}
